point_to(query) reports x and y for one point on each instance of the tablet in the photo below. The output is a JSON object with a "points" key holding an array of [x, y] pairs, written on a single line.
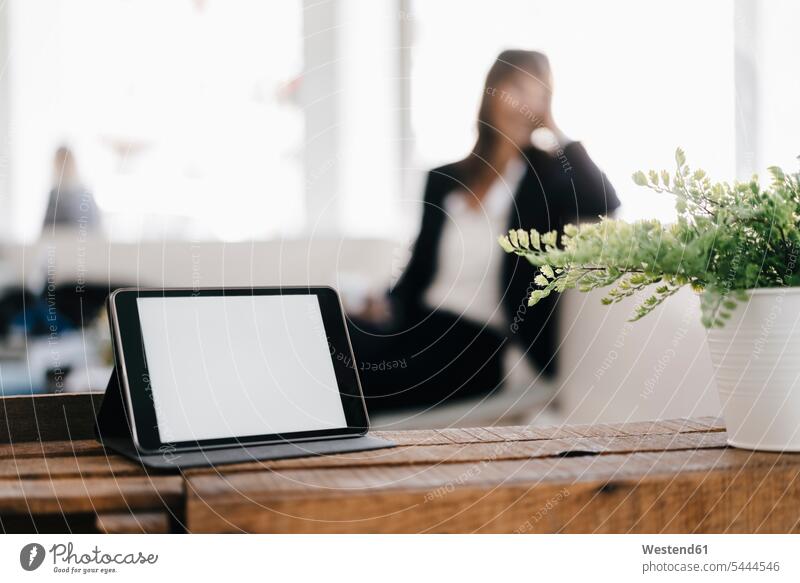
{"points": [[205, 368]]}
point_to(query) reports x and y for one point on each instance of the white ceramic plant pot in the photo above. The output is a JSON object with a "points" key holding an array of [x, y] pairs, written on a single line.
{"points": [[756, 357]]}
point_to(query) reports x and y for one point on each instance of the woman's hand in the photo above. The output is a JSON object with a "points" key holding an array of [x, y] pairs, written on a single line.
{"points": [[376, 309], [549, 123]]}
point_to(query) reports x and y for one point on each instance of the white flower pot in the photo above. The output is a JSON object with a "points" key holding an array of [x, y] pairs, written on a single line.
{"points": [[756, 357]]}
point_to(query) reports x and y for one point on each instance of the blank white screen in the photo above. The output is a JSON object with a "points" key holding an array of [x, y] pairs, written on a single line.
{"points": [[239, 366]]}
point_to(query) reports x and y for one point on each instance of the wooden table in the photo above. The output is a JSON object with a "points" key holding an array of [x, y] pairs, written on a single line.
{"points": [[54, 477], [666, 476]]}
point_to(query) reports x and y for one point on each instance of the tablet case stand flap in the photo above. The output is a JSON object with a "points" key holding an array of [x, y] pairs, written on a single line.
{"points": [[113, 431], [112, 419]]}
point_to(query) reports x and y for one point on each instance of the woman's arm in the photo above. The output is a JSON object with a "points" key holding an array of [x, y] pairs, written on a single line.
{"points": [[591, 193], [406, 295]]}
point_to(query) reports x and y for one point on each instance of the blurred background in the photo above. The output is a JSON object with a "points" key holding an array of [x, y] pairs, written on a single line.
{"points": [[253, 143]]}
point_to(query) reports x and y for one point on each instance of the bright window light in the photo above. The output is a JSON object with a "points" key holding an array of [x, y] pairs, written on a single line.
{"points": [[181, 114], [633, 80]]}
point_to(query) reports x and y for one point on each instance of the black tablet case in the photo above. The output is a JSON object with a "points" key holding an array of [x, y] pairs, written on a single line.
{"points": [[114, 432]]}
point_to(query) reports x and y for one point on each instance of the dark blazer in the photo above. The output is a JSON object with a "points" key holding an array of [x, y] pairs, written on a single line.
{"points": [[556, 190]]}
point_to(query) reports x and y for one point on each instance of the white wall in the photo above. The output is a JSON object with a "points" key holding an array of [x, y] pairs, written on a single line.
{"points": [[351, 98], [5, 119], [779, 84]]}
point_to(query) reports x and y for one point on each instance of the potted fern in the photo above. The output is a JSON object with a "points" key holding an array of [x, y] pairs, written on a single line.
{"points": [[736, 245]]}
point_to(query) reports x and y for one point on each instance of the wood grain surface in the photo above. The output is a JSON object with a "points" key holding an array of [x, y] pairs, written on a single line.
{"points": [[139, 523], [667, 476], [54, 476], [48, 417]]}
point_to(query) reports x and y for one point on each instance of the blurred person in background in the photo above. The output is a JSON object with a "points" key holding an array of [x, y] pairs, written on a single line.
{"points": [[457, 322], [70, 204]]}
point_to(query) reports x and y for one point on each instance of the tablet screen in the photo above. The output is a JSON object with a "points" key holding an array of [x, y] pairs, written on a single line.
{"points": [[222, 366]]}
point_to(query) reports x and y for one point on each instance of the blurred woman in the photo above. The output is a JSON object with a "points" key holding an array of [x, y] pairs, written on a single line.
{"points": [[459, 321], [70, 204]]}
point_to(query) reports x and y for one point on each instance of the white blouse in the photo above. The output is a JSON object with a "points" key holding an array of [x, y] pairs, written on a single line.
{"points": [[468, 278]]}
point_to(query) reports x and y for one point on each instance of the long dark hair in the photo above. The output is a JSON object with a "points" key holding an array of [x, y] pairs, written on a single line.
{"points": [[479, 164]]}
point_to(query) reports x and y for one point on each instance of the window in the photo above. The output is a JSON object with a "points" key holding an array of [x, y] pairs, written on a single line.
{"points": [[182, 114], [777, 118], [253, 119], [633, 80]]}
